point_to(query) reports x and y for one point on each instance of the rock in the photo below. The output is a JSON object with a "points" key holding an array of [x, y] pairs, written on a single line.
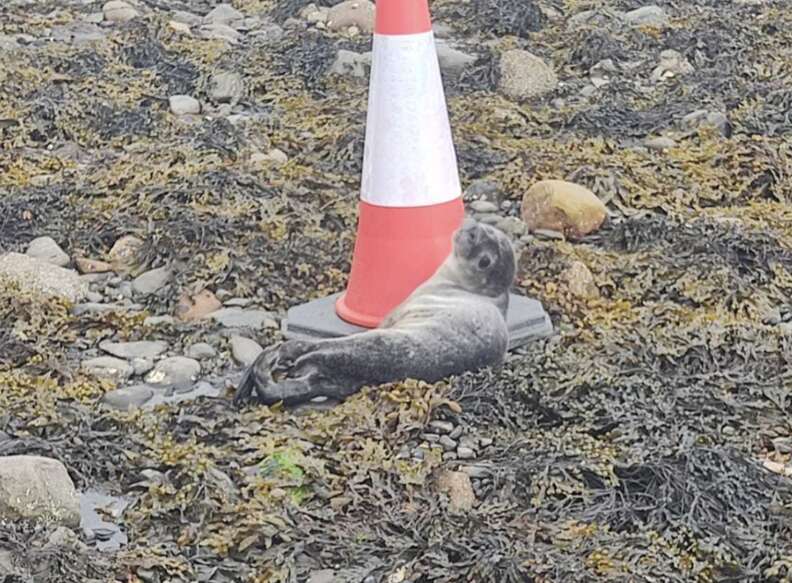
{"points": [[223, 14], [442, 30], [94, 297], [159, 321], [201, 351], [217, 31], [483, 188], [78, 33], [187, 18], [41, 277], [92, 266], [178, 371], [323, 576], [512, 226], [118, 11], [149, 282], [33, 487], [46, 249], [274, 156], [128, 398], [525, 76], [108, 367], [226, 88], [671, 64], [245, 350], [223, 295], [582, 18], [179, 27], [359, 13], [95, 308], [314, 14], [783, 445], [477, 472], [549, 234], [7, 569], [268, 32], [646, 16], [351, 63], [457, 486], [487, 218], [659, 143], [777, 468], [139, 349], [186, 393], [562, 206], [483, 206], [770, 315], [452, 60], [442, 426], [126, 290], [714, 119], [465, 453], [94, 17], [142, 365], [124, 252], [239, 318], [198, 306], [240, 302], [184, 105], [65, 537], [447, 443], [579, 281]]}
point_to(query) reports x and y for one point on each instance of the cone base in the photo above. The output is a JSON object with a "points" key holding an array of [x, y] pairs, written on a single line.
{"points": [[396, 250], [527, 321], [353, 316]]}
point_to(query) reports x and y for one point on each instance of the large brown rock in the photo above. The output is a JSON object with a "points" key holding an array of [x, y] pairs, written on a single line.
{"points": [[33, 487], [562, 206], [348, 13], [195, 307]]}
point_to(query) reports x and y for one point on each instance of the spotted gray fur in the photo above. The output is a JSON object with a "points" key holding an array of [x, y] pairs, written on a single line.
{"points": [[454, 322]]}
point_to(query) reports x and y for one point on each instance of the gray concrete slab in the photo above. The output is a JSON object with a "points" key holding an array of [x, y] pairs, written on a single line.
{"points": [[526, 318]]}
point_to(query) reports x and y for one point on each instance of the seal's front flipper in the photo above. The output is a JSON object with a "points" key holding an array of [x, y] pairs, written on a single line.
{"points": [[287, 391]]}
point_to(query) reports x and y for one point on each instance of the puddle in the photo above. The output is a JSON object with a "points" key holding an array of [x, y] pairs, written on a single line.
{"points": [[96, 508]]}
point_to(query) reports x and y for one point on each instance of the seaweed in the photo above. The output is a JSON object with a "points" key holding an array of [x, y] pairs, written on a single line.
{"points": [[644, 440]]}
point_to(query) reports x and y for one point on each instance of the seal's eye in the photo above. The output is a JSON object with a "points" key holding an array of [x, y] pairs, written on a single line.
{"points": [[484, 262]]}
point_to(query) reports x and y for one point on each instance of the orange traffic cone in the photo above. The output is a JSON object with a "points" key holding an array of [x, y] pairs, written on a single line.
{"points": [[411, 199]]}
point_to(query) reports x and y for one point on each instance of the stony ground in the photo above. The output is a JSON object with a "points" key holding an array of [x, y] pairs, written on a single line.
{"points": [[190, 158]]}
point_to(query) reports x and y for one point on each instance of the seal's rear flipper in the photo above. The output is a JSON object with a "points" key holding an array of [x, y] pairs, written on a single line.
{"points": [[245, 388]]}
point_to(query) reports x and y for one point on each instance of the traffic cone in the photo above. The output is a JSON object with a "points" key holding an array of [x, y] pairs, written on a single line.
{"points": [[410, 197]]}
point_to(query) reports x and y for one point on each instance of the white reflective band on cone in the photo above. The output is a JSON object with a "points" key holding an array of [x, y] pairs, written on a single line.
{"points": [[409, 158]]}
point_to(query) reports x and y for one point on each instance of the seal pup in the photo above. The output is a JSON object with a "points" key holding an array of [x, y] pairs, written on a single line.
{"points": [[452, 323]]}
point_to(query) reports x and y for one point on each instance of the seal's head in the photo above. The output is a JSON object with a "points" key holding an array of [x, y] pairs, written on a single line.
{"points": [[484, 259]]}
